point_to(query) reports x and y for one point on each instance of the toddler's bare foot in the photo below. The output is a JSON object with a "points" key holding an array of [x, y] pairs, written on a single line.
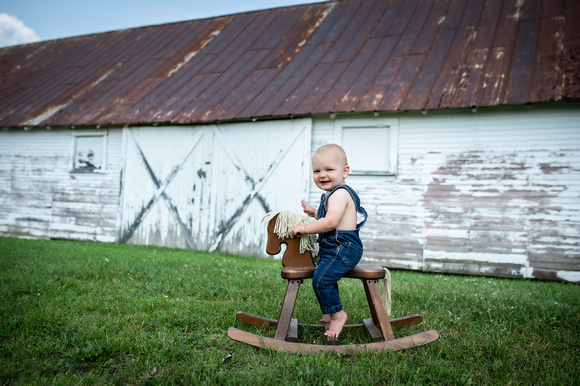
{"points": [[326, 320], [337, 322]]}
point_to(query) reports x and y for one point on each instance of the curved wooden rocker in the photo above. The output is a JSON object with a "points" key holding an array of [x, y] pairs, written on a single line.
{"points": [[298, 266]]}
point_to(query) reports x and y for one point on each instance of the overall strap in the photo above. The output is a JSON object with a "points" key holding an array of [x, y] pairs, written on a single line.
{"points": [[355, 198]]}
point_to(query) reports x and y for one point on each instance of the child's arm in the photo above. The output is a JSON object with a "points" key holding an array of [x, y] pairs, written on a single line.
{"points": [[337, 203]]}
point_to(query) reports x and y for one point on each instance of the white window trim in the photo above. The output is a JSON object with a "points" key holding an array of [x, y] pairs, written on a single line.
{"points": [[367, 122], [93, 133]]}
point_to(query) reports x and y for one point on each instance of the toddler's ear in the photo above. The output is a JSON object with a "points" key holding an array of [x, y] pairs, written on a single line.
{"points": [[346, 171]]}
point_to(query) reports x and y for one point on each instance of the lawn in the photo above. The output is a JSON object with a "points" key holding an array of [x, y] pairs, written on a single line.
{"points": [[88, 313]]}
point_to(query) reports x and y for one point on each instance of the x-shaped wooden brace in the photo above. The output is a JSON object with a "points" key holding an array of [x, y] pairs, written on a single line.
{"points": [[252, 184], [160, 192]]}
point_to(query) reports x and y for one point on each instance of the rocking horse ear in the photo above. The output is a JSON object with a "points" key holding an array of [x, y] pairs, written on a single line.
{"points": [[274, 244]]}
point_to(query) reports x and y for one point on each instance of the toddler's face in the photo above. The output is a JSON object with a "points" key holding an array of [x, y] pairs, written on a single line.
{"points": [[328, 171]]}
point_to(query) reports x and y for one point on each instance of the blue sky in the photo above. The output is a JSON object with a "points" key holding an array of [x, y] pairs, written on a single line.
{"points": [[26, 21]]}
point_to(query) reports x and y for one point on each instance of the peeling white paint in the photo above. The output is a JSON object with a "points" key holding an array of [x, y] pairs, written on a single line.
{"points": [[573, 276], [413, 265], [51, 201], [525, 272], [494, 258]]}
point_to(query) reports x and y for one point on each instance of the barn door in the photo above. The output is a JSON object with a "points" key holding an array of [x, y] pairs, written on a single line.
{"points": [[258, 167], [164, 176], [208, 187]]}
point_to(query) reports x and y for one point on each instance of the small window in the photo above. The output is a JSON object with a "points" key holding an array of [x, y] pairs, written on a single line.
{"points": [[89, 152], [370, 144]]}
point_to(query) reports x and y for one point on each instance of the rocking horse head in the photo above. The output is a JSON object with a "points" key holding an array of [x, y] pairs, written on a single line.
{"points": [[298, 249]]}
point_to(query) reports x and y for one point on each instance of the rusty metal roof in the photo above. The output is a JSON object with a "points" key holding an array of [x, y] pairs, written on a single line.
{"points": [[337, 56]]}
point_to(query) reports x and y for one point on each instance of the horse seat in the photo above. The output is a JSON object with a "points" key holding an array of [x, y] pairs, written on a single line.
{"points": [[361, 271]]}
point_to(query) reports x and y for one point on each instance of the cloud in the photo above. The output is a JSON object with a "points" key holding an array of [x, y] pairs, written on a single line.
{"points": [[13, 31]]}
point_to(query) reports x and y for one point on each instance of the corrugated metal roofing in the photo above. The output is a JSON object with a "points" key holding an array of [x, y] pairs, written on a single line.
{"points": [[337, 56]]}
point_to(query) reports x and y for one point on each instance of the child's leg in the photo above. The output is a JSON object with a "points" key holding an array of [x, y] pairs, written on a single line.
{"points": [[325, 285], [332, 266]]}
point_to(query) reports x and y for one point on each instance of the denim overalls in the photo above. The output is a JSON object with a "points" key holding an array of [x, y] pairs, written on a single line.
{"points": [[340, 251]]}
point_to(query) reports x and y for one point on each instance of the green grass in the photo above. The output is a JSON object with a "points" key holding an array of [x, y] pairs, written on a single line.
{"points": [[87, 313]]}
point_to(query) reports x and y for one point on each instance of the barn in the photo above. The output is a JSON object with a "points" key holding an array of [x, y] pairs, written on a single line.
{"points": [[461, 120]]}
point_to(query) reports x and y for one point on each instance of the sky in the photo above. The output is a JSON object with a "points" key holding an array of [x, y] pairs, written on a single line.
{"points": [[27, 21]]}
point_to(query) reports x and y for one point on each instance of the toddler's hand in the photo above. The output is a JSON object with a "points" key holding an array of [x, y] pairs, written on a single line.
{"points": [[310, 211], [298, 230]]}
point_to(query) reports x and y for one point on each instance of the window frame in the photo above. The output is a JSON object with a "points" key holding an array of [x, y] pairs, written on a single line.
{"points": [[103, 134], [392, 124]]}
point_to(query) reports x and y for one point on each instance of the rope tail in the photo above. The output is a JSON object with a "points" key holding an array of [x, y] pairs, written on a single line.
{"points": [[387, 291]]}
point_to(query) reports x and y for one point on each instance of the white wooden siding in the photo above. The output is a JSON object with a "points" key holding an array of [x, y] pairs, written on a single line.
{"points": [[204, 187], [40, 198], [495, 192]]}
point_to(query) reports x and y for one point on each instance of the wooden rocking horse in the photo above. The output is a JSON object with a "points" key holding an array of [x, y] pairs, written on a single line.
{"points": [[296, 267]]}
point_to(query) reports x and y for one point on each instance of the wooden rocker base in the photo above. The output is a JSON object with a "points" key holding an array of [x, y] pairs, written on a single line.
{"points": [[291, 343], [306, 348], [260, 321]]}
